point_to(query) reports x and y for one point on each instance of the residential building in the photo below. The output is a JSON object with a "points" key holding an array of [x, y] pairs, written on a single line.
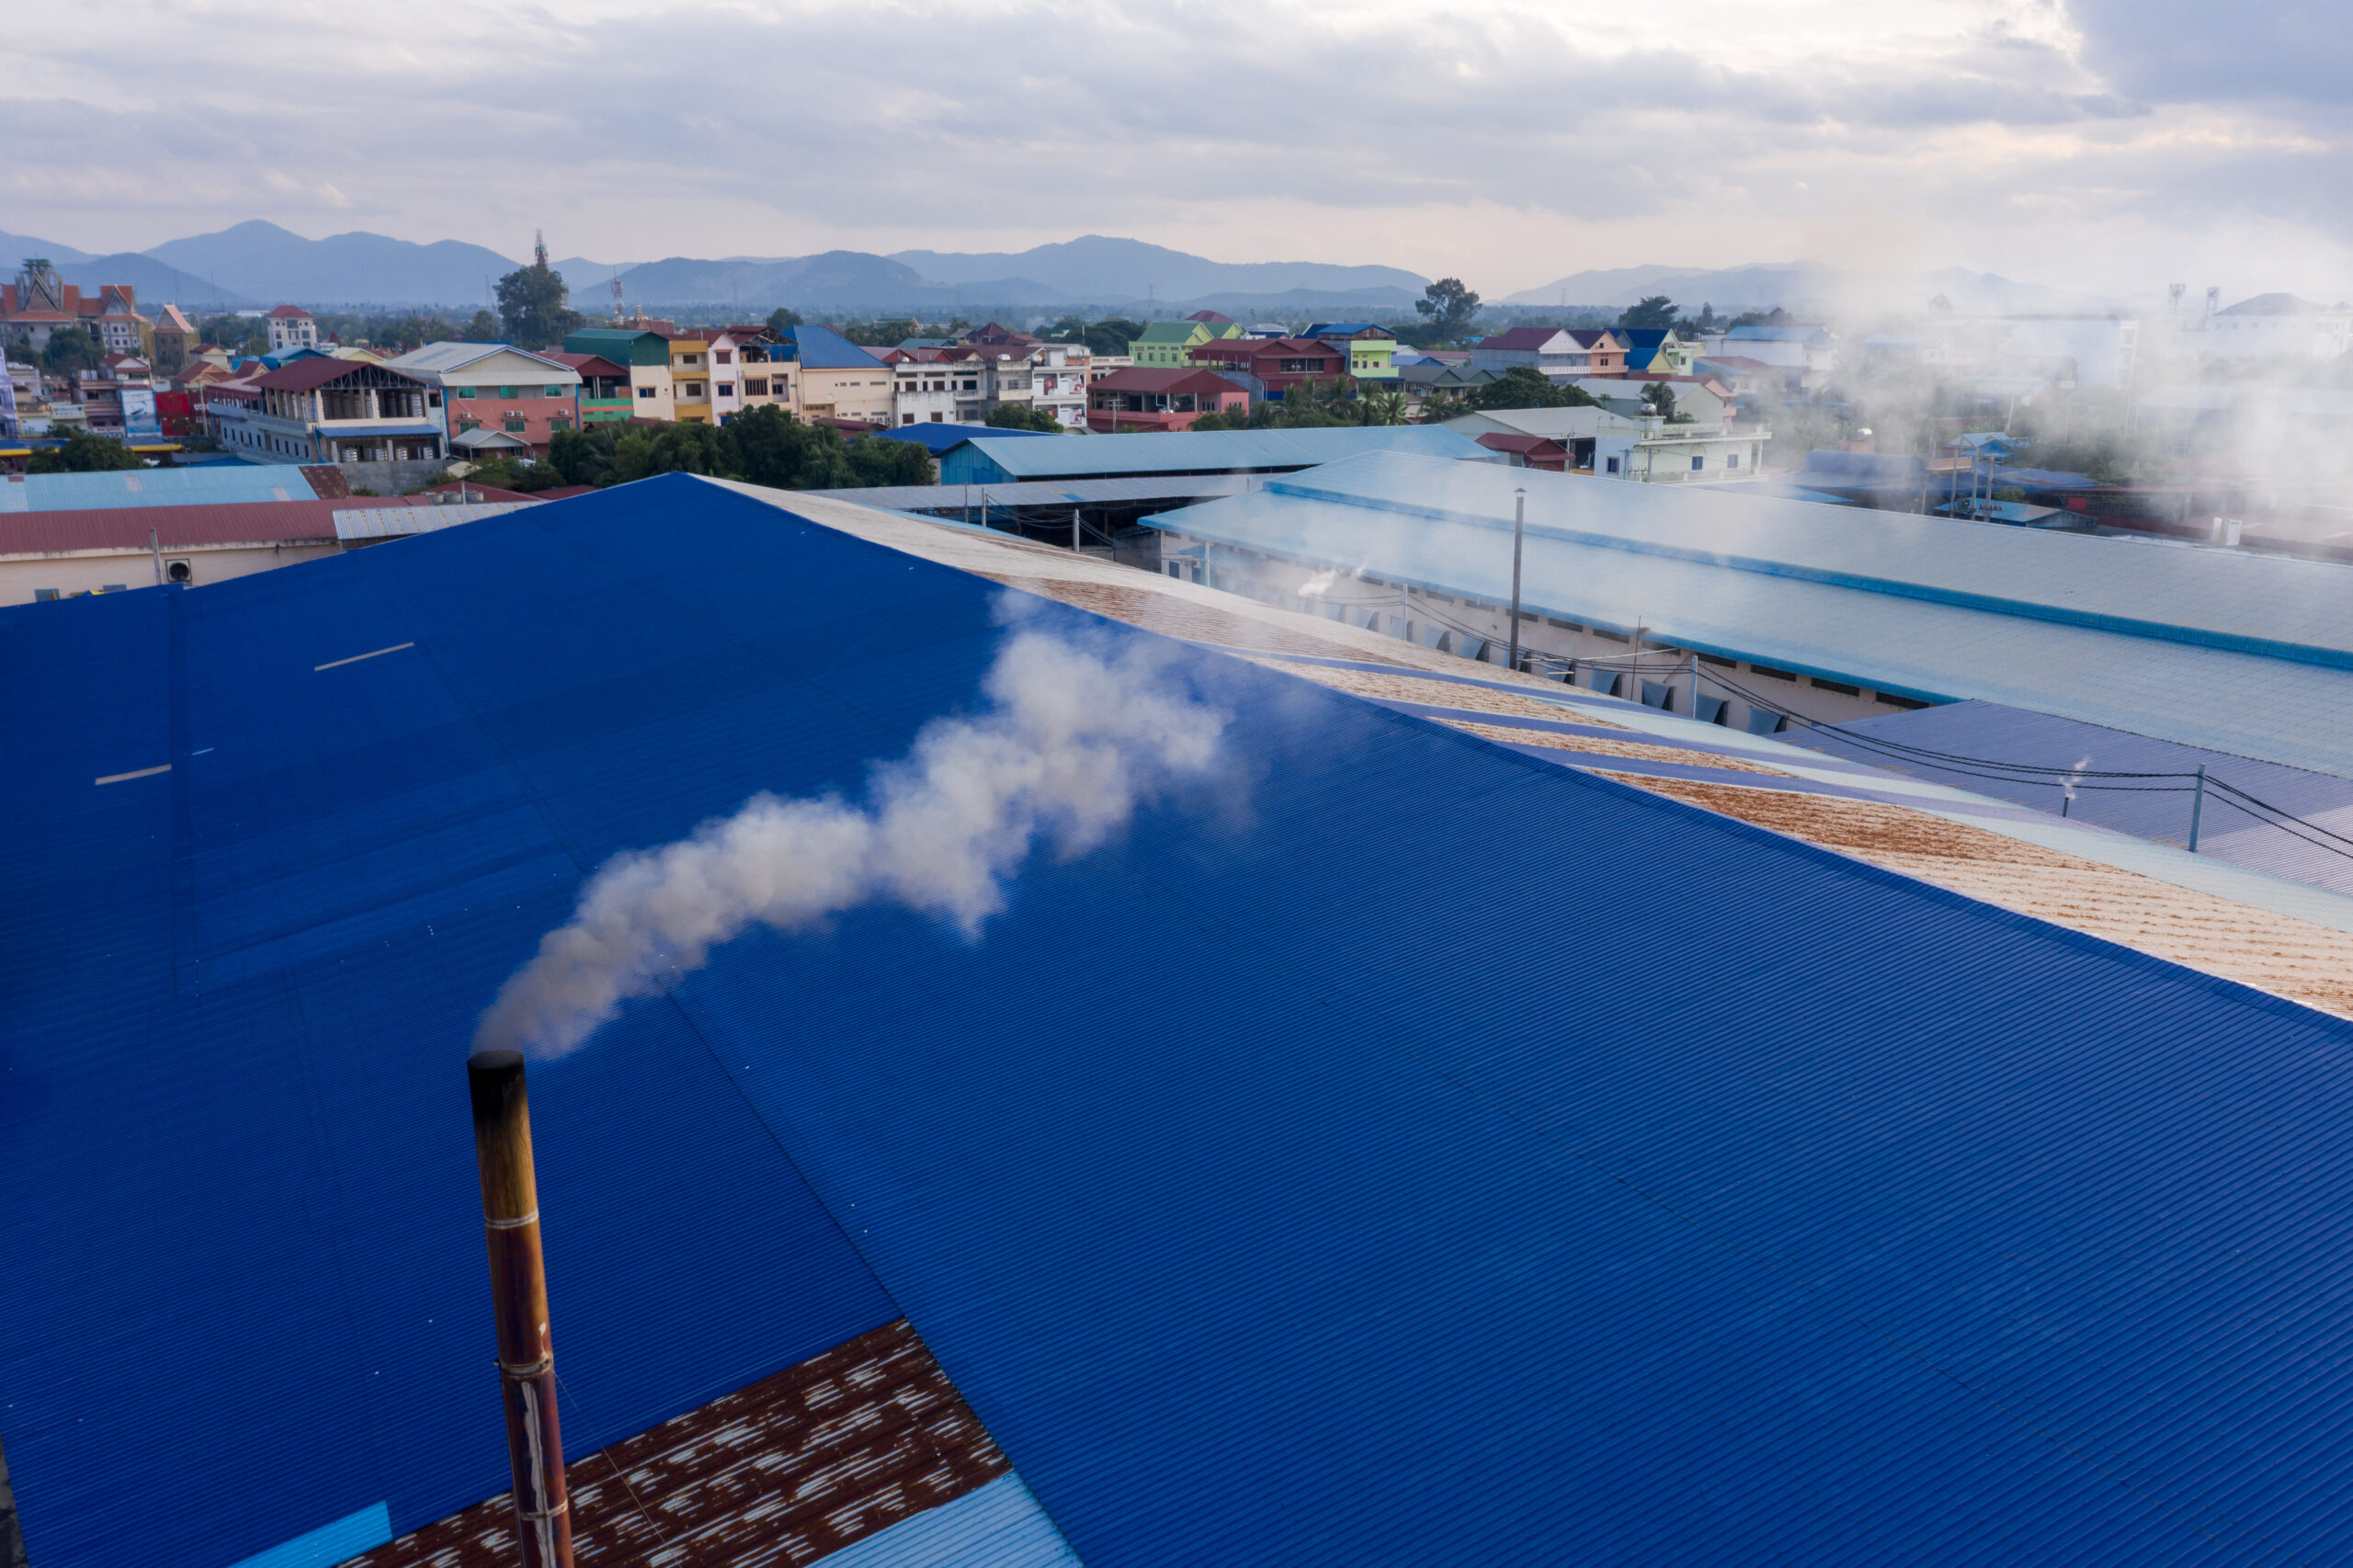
{"points": [[1427, 377], [605, 394], [39, 303], [1145, 398], [768, 374], [1026, 373], [1656, 351], [1661, 453], [840, 382], [290, 327], [332, 410], [1579, 432], [1167, 344], [691, 375], [1372, 349], [2276, 325], [1745, 377], [1269, 368], [476, 392], [18, 376], [934, 385], [174, 340], [1558, 353], [646, 352], [1538, 452]]}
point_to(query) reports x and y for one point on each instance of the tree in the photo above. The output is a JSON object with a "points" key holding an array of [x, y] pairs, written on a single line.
{"points": [[535, 304], [879, 460], [1774, 317], [483, 328], [71, 349], [1523, 386], [1655, 310], [1112, 335], [1384, 406], [1660, 398], [1023, 416], [1448, 306], [882, 334], [781, 321], [84, 453], [23, 353]]}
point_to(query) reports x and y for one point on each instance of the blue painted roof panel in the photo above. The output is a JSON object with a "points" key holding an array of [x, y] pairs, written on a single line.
{"points": [[823, 348], [1708, 1196], [213, 482], [941, 436], [1188, 451]]}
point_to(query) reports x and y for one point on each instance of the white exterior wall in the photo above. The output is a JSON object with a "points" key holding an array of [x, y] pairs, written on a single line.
{"points": [[2321, 337]]}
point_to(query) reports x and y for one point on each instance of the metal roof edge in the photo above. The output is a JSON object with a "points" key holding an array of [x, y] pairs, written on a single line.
{"points": [[2130, 626]]}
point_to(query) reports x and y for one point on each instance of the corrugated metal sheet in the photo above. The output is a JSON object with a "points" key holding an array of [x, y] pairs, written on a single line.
{"points": [[1210, 451], [1929, 608], [1465, 1161], [1071, 491], [208, 484], [2234, 833], [400, 522]]}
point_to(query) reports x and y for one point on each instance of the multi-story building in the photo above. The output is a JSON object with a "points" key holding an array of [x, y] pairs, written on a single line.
{"points": [[691, 378], [840, 380], [1269, 368], [39, 303], [935, 385], [478, 392], [290, 327], [645, 351], [1166, 344], [605, 394], [332, 410], [175, 337], [2275, 326], [1372, 349], [769, 375]]}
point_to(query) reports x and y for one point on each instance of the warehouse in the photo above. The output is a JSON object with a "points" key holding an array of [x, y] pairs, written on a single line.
{"points": [[1834, 613], [1413, 1150], [992, 460]]}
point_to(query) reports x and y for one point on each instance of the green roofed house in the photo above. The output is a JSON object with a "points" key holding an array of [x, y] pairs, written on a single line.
{"points": [[1168, 343], [646, 353]]}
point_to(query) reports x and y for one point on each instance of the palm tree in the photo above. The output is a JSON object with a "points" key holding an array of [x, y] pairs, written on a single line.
{"points": [[1384, 405]]}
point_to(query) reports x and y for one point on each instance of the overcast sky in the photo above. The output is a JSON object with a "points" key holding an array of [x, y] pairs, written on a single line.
{"points": [[2106, 144]]}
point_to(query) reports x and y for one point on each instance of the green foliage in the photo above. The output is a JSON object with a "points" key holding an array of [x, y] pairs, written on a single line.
{"points": [[764, 446], [483, 328], [1660, 397], [1235, 421], [1448, 306], [1023, 416], [536, 307], [1112, 335], [1777, 316], [781, 321], [23, 353], [1382, 406], [1655, 310], [71, 349], [1523, 386], [882, 334], [84, 453]]}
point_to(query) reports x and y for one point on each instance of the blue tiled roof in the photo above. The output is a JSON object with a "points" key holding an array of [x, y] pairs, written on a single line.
{"points": [[1492, 1165]]}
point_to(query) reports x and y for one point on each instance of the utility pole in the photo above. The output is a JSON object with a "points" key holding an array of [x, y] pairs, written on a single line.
{"points": [[1074, 545], [2196, 808], [156, 545], [1518, 527], [1693, 711]]}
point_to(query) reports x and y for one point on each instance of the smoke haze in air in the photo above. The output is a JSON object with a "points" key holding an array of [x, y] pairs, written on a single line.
{"points": [[1078, 734]]}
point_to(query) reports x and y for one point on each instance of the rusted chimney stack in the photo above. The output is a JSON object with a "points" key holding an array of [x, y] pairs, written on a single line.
{"points": [[518, 1291]]}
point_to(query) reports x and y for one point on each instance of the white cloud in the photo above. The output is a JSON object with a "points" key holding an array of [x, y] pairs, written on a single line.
{"points": [[1506, 141]]}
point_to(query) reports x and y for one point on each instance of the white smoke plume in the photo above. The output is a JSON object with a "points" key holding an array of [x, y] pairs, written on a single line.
{"points": [[1077, 737]]}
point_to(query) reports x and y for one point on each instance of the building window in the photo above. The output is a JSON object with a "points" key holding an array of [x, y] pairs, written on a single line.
{"points": [[645, 392], [510, 393], [1699, 463], [42, 596], [1613, 465], [756, 389], [558, 422], [1732, 461], [722, 357], [555, 391], [466, 425], [515, 427], [461, 391], [1839, 686], [727, 389]]}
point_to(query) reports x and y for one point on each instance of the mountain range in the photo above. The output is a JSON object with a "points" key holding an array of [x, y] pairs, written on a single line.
{"points": [[260, 264], [1803, 286]]}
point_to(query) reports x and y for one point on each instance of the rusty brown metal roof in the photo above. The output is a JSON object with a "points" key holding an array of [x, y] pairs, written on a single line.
{"points": [[802, 1465]]}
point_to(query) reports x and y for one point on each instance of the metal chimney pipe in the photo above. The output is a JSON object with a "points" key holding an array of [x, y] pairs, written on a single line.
{"points": [[518, 1291]]}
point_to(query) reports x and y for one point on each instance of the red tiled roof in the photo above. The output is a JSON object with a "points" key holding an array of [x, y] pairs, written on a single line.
{"points": [[561, 493], [1497, 441], [478, 492], [290, 313], [178, 527], [1154, 379], [308, 375], [586, 364]]}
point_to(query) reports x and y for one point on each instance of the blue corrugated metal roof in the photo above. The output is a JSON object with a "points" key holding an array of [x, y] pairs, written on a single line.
{"points": [[1210, 451], [2245, 654], [1705, 1195], [823, 348], [219, 482], [941, 436]]}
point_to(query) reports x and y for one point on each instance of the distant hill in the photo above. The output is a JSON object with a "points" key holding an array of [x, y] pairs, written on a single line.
{"points": [[1323, 304], [1099, 269], [155, 283], [840, 280], [276, 266], [1806, 286], [17, 249]]}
